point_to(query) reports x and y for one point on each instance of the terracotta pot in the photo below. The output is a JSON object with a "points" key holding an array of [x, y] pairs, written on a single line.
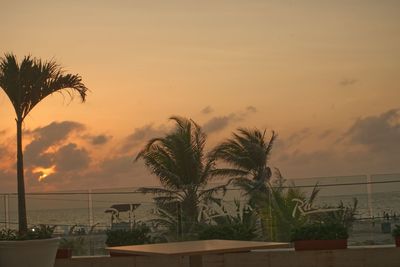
{"points": [[320, 244], [397, 239], [64, 253]]}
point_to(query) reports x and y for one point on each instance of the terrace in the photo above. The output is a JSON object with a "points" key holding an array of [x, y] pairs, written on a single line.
{"points": [[82, 215]]}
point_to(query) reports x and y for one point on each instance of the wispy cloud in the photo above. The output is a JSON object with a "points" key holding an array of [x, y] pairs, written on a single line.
{"points": [[348, 82], [207, 110]]}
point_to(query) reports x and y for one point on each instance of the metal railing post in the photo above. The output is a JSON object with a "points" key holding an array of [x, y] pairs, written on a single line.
{"points": [[6, 212], [369, 196], [90, 208]]}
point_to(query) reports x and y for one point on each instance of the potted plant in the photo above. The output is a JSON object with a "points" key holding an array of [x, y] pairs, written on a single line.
{"points": [[138, 235], [70, 245], [36, 245], [64, 250], [320, 236], [26, 83], [396, 234]]}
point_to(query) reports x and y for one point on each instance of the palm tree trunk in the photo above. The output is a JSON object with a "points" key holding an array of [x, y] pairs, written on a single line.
{"points": [[22, 221]]}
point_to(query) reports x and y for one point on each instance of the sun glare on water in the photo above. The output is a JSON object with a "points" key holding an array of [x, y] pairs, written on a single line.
{"points": [[44, 172]]}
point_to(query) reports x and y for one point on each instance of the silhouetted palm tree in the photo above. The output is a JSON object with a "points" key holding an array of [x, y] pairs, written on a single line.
{"points": [[179, 162], [247, 155], [26, 84]]}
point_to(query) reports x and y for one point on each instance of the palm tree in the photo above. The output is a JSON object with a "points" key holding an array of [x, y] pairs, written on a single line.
{"points": [[179, 162], [26, 84], [247, 155]]}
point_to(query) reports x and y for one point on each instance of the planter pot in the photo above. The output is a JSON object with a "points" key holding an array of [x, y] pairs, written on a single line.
{"points": [[29, 253], [320, 244], [64, 253], [397, 240]]}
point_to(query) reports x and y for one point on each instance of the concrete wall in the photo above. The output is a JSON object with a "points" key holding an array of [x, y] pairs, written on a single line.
{"points": [[373, 256]]}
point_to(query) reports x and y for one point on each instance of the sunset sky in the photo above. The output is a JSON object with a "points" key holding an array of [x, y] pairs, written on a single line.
{"points": [[325, 75]]}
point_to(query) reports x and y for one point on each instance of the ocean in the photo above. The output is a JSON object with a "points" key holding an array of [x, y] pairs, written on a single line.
{"points": [[378, 201]]}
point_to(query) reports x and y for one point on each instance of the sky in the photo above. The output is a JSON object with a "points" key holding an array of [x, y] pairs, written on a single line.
{"points": [[324, 75]]}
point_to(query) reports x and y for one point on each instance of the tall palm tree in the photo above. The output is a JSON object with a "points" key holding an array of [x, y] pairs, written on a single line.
{"points": [[179, 162], [247, 154], [26, 84]]}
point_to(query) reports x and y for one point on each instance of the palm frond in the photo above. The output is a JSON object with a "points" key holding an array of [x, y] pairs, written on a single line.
{"points": [[28, 83]]}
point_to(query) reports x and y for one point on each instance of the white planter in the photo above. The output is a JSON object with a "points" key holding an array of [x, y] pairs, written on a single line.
{"points": [[28, 253]]}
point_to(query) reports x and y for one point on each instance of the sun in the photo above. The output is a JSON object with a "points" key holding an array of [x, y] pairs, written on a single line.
{"points": [[44, 172]]}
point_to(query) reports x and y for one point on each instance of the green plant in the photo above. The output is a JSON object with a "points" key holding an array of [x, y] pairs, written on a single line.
{"points": [[41, 231], [8, 234], [75, 243], [179, 161], [138, 235], [320, 231], [246, 157], [396, 231], [237, 231], [238, 225]]}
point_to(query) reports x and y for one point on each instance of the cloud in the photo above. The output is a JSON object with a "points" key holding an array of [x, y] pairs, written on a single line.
{"points": [[219, 123], [207, 110], [379, 133], [251, 109], [45, 137], [325, 134], [347, 82], [142, 135], [299, 136], [8, 181], [111, 172], [71, 158], [370, 145], [64, 154], [100, 139], [216, 124]]}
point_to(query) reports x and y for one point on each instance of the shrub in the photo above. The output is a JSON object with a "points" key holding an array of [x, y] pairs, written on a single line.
{"points": [[138, 235], [396, 231], [236, 231], [320, 231], [41, 231]]}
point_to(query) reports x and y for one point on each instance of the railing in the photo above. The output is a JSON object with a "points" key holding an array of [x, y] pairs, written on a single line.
{"points": [[378, 207]]}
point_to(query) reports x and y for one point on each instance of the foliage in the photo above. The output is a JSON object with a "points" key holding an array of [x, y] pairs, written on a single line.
{"points": [[291, 208], [139, 234], [26, 84], [240, 225], [340, 214], [279, 216], [236, 231], [75, 243], [320, 231], [8, 235], [178, 160], [396, 230], [41, 231], [247, 154]]}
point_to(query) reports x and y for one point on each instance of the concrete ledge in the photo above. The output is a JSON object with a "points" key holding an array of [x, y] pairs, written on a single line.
{"points": [[367, 256]]}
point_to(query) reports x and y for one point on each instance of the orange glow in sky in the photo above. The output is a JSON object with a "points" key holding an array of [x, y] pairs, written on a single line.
{"points": [[44, 172], [323, 74]]}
